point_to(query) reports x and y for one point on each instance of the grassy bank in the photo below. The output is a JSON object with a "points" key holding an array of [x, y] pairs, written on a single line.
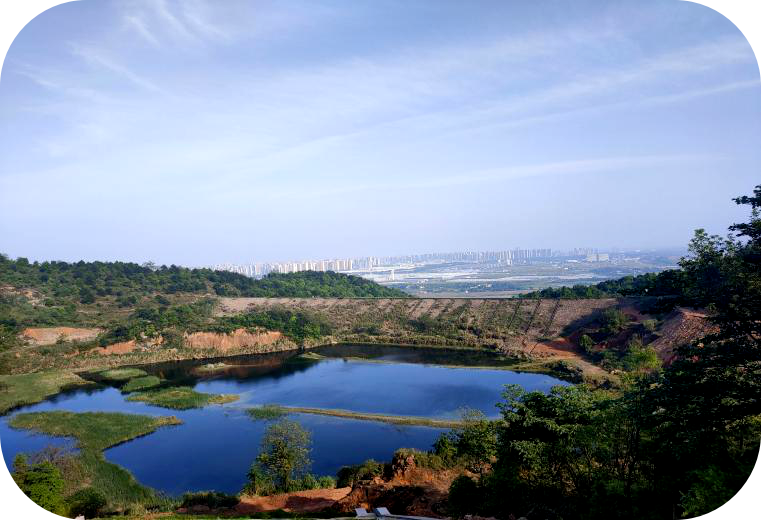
{"points": [[94, 433], [23, 389], [180, 398], [274, 411]]}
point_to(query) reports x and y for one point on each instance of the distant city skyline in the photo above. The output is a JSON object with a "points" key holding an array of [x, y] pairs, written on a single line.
{"points": [[205, 132], [506, 257]]}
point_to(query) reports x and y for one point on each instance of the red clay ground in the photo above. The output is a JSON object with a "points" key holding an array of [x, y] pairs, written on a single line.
{"points": [[300, 501]]}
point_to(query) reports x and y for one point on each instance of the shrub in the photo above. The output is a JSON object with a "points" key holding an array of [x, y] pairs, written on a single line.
{"points": [[350, 475], [210, 499], [587, 343], [613, 321], [41, 482], [86, 502], [465, 496]]}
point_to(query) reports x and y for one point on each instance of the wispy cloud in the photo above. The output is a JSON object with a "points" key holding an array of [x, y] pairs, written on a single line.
{"points": [[137, 24], [95, 57]]}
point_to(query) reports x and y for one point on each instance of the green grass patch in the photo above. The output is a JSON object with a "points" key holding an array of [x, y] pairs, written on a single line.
{"points": [[267, 412], [22, 389], [141, 383], [96, 431], [180, 398], [122, 374]]}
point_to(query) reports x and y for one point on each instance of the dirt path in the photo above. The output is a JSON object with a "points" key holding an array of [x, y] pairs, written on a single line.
{"points": [[298, 502]]}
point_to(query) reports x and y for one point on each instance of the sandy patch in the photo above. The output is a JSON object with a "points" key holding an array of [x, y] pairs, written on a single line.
{"points": [[124, 347], [49, 335]]}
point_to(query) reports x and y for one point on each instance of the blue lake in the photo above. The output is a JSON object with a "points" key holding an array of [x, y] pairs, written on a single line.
{"points": [[215, 445]]}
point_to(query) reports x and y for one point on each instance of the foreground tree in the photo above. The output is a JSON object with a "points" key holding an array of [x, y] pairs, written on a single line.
{"points": [[283, 459], [42, 482]]}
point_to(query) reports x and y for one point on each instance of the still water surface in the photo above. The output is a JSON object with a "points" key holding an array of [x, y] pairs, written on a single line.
{"points": [[215, 445]]}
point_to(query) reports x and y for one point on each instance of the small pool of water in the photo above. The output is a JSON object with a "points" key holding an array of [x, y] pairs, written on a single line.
{"points": [[215, 445]]}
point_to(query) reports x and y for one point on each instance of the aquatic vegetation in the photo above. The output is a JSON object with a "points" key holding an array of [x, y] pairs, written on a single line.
{"points": [[22, 389], [180, 398], [94, 432], [141, 383], [267, 412], [122, 374]]}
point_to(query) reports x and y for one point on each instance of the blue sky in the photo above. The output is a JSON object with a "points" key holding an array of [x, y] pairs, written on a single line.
{"points": [[196, 132]]}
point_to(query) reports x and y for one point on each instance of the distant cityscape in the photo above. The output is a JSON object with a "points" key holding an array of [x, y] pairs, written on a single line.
{"points": [[388, 263]]}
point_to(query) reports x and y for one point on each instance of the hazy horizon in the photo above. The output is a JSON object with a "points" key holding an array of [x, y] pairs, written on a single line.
{"points": [[196, 133]]}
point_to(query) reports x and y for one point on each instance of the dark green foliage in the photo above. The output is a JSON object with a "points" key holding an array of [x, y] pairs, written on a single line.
{"points": [[150, 321], [297, 325], [612, 321], [676, 442], [350, 475], [82, 281], [87, 502], [41, 482], [210, 499], [466, 496]]}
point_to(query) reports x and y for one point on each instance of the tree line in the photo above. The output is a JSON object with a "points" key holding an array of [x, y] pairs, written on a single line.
{"points": [[85, 281]]}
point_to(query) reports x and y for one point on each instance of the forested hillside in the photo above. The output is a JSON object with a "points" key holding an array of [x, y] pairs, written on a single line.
{"points": [[676, 441], [85, 281]]}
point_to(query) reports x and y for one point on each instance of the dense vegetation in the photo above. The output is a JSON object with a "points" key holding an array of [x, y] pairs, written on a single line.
{"points": [[85, 281], [135, 301], [87, 477], [296, 325], [180, 397], [676, 442]]}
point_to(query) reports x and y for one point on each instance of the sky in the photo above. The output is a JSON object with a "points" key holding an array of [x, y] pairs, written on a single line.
{"points": [[195, 132]]}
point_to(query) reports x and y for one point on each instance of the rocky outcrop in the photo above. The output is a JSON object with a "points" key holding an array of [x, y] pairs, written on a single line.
{"points": [[238, 339], [407, 489], [680, 327]]}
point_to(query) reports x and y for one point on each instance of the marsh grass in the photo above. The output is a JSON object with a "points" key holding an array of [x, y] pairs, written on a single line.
{"points": [[180, 398], [22, 389], [121, 374], [95, 432], [141, 383], [267, 412]]}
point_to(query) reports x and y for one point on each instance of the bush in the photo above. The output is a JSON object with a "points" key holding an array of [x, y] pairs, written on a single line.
{"points": [[41, 482], [465, 496], [86, 502], [613, 321], [210, 499], [587, 343], [350, 475]]}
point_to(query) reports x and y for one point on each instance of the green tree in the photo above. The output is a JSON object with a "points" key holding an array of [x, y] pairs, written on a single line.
{"points": [[86, 502], [41, 482], [284, 455], [476, 440]]}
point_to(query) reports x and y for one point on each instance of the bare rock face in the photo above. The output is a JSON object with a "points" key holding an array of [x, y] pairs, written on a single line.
{"points": [[237, 339], [406, 489]]}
